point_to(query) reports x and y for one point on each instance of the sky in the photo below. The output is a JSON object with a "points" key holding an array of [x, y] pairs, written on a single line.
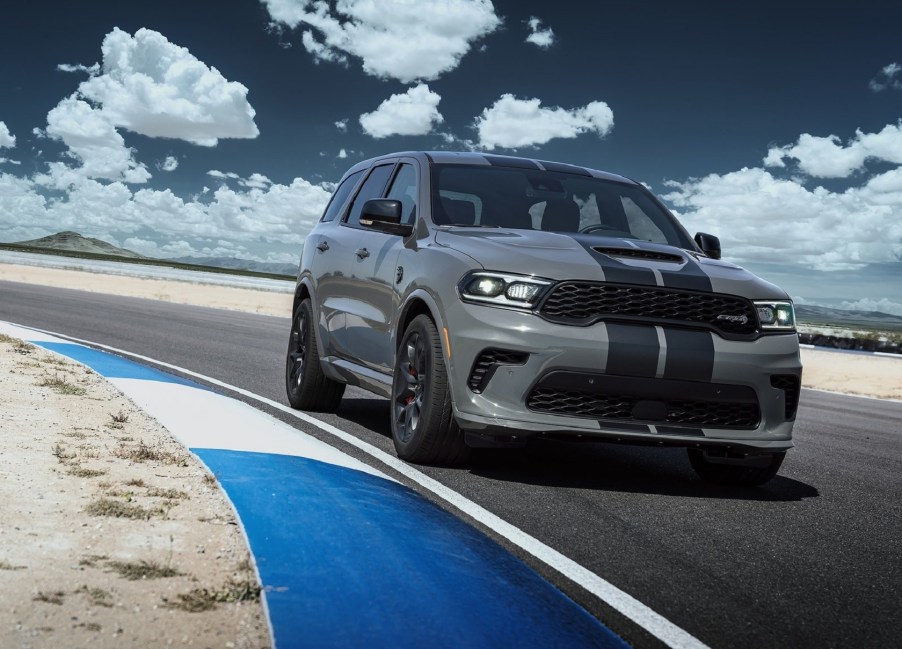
{"points": [[219, 127]]}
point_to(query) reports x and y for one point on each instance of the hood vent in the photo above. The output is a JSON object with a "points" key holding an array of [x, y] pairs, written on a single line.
{"points": [[637, 253]]}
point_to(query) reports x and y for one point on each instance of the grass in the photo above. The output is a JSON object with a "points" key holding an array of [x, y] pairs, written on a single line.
{"points": [[169, 494], [135, 482], [59, 452], [120, 417], [116, 509], [19, 346], [97, 596], [198, 600], [91, 560], [135, 570], [62, 386], [141, 452], [83, 472], [6, 565], [55, 597]]}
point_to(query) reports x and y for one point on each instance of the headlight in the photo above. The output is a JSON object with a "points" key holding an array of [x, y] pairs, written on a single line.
{"points": [[776, 316], [502, 289]]}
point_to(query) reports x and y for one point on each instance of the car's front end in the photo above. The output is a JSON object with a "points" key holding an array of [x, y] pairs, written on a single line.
{"points": [[623, 361]]}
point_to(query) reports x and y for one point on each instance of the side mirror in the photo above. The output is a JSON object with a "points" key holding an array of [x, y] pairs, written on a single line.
{"points": [[709, 244], [384, 215]]}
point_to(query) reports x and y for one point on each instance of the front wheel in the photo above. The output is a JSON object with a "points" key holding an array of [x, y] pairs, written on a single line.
{"points": [[307, 387], [754, 471], [423, 427]]}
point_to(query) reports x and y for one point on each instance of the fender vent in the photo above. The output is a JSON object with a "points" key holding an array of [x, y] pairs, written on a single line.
{"points": [[789, 383], [489, 361]]}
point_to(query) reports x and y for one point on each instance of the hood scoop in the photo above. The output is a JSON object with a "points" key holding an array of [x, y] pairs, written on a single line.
{"points": [[638, 253]]}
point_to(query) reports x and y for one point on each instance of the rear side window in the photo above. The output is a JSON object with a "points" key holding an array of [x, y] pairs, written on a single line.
{"points": [[372, 188], [340, 196]]}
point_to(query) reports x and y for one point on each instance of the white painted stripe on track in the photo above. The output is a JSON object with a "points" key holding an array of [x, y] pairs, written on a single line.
{"points": [[627, 605], [200, 419]]}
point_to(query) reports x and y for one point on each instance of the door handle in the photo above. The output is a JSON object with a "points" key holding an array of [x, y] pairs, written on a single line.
{"points": [[322, 246], [362, 253]]}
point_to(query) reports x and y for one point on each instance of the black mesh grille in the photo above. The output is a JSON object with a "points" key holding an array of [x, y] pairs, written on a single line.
{"points": [[582, 303], [789, 383], [707, 414], [635, 253], [488, 361]]}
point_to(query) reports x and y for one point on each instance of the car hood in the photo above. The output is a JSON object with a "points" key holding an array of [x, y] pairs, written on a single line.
{"points": [[561, 256]]}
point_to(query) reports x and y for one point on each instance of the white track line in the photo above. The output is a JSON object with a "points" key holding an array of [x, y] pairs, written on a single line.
{"points": [[627, 605]]}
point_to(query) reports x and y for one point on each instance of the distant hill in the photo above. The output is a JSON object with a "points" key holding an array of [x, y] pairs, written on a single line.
{"points": [[826, 316], [234, 263], [74, 242]]}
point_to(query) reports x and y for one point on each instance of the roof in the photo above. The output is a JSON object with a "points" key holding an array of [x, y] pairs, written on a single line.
{"points": [[476, 158]]}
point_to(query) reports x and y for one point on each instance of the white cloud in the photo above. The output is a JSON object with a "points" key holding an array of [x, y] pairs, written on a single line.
{"points": [[223, 174], [827, 157], [406, 40], [412, 113], [268, 217], [93, 141], [7, 140], [539, 37], [68, 67], [342, 154], [887, 78], [342, 125], [256, 181], [512, 122], [761, 218], [171, 163], [156, 88]]}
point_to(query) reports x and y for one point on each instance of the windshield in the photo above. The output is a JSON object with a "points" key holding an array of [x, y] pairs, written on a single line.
{"points": [[553, 201]]}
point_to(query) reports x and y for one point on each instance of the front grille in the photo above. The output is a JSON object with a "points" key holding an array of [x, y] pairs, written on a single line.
{"points": [[620, 407], [488, 361], [606, 397], [583, 303], [636, 253], [789, 383]]}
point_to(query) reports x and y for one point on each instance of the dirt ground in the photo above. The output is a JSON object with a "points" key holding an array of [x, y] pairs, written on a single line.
{"points": [[111, 533]]}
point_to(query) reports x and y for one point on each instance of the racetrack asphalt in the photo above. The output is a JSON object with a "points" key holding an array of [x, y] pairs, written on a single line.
{"points": [[813, 559]]}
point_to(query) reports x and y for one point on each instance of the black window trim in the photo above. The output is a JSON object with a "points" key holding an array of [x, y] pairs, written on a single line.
{"points": [[379, 163]]}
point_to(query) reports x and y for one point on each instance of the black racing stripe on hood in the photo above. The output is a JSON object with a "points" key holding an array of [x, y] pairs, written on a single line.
{"points": [[632, 350], [689, 356], [690, 276], [614, 271]]}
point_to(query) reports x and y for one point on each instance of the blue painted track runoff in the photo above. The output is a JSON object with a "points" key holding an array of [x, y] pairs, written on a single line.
{"points": [[348, 558]]}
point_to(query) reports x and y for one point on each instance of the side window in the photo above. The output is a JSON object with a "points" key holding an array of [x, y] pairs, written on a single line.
{"points": [[404, 189], [340, 196], [372, 188]]}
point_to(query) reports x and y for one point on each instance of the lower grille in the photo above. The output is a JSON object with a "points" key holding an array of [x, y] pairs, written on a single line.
{"points": [[488, 361], [651, 401], [790, 385]]}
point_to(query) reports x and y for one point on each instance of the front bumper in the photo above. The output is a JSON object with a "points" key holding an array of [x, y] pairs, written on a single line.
{"points": [[579, 361]]}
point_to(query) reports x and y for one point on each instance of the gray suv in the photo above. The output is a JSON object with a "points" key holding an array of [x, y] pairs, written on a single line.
{"points": [[496, 299]]}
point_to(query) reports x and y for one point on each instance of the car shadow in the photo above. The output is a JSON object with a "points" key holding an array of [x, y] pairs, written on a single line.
{"points": [[595, 466], [599, 466]]}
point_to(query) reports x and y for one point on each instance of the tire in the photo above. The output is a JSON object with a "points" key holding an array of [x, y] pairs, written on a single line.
{"points": [[737, 474], [307, 387], [423, 427]]}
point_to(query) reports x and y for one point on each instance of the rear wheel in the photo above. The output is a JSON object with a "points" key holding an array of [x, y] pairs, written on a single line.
{"points": [[423, 426], [307, 387], [752, 471]]}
